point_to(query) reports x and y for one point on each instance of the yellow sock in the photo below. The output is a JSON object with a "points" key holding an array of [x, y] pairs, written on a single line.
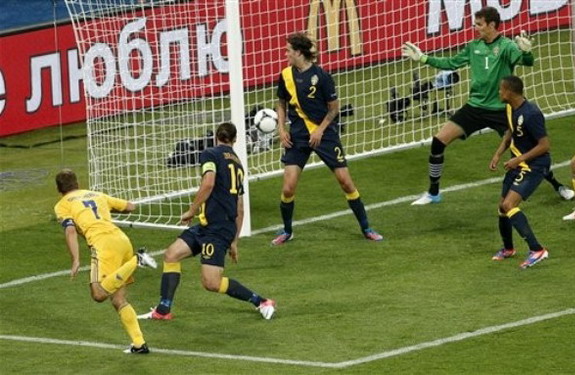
{"points": [[131, 325], [116, 280], [224, 285]]}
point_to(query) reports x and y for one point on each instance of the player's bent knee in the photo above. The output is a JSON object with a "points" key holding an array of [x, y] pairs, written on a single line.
{"points": [[449, 133], [506, 207], [170, 258], [177, 251], [288, 191], [99, 297], [98, 293], [211, 286], [347, 186]]}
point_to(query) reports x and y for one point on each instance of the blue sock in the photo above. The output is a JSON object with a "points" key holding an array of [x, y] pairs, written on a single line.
{"points": [[506, 231], [170, 282], [521, 225], [287, 215], [238, 291], [358, 209]]}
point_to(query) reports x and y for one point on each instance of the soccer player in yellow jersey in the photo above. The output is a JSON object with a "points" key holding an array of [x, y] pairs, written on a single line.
{"points": [[113, 260]]}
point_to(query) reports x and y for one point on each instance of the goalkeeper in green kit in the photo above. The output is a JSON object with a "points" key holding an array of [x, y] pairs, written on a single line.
{"points": [[490, 57]]}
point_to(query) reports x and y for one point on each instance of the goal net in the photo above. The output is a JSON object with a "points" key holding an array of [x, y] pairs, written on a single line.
{"points": [[159, 78]]}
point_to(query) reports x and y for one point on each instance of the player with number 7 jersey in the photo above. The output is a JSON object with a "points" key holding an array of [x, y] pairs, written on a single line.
{"points": [[112, 256]]}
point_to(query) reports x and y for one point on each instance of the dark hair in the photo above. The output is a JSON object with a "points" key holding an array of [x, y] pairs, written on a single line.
{"points": [[514, 83], [489, 14], [66, 181], [302, 42], [226, 132]]}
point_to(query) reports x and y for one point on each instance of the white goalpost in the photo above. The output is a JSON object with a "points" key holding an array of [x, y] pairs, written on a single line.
{"points": [[160, 75]]}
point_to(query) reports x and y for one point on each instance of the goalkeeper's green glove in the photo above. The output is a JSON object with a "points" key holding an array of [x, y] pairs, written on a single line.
{"points": [[524, 42], [413, 52]]}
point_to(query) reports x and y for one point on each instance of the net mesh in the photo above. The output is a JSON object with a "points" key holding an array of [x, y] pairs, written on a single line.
{"points": [[157, 82]]}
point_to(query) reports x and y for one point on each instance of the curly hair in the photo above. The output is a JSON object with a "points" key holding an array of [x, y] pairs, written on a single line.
{"points": [[303, 43]]}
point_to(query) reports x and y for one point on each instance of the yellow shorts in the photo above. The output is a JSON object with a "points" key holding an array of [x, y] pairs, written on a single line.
{"points": [[109, 253]]}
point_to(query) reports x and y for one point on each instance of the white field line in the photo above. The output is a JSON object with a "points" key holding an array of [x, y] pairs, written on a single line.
{"points": [[408, 198], [371, 358], [273, 228], [42, 340], [455, 338], [344, 364]]}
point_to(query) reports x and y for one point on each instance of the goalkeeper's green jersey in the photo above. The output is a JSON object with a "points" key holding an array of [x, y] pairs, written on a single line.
{"points": [[489, 63]]}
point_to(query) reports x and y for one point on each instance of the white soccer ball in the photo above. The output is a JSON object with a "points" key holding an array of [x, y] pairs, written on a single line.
{"points": [[266, 120]]}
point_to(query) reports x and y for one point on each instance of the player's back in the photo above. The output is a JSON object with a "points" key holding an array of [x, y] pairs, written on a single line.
{"points": [[90, 212], [220, 209]]}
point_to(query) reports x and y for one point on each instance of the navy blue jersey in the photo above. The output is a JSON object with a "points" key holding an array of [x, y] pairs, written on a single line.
{"points": [[220, 210], [527, 126], [307, 94]]}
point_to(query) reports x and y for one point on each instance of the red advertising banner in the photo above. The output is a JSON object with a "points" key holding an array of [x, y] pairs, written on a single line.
{"points": [[178, 52]]}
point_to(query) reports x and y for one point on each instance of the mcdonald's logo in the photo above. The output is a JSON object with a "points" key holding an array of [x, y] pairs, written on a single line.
{"points": [[332, 11]]}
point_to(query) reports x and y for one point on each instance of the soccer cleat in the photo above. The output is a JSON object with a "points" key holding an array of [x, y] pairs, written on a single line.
{"points": [[145, 259], [267, 308], [571, 216], [154, 315], [534, 258], [141, 350], [566, 193], [372, 235], [281, 238], [427, 198], [503, 254]]}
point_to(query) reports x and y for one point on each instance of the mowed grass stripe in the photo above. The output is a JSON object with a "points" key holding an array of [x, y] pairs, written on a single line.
{"points": [[273, 228]]}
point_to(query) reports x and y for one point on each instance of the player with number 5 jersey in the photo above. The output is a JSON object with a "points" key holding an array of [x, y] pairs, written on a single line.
{"points": [[219, 208]]}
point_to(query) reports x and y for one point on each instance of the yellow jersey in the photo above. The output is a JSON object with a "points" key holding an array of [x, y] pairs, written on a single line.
{"points": [[89, 212]]}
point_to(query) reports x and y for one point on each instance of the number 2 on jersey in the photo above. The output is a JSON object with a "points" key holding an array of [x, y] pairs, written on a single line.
{"points": [[91, 204], [236, 176]]}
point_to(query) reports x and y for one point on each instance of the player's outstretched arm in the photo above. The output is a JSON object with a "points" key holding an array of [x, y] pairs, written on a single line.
{"points": [[525, 45], [524, 42], [413, 52]]}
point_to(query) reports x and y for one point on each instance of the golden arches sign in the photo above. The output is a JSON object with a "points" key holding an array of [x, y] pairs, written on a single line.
{"points": [[332, 20]]}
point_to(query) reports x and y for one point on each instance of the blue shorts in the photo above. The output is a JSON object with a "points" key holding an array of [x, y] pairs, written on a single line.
{"points": [[330, 152], [523, 182], [211, 248]]}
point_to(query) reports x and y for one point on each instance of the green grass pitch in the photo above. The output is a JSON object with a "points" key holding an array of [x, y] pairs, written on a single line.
{"points": [[340, 297]]}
